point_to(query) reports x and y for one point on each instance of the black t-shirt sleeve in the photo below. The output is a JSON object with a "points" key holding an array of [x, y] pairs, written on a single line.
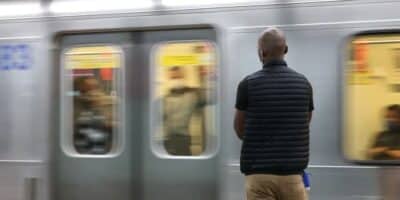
{"points": [[311, 103], [242, 96], [383, 140]]}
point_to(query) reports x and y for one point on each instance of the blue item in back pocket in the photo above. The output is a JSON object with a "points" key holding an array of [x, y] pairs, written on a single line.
{"points": [[306, 180]]}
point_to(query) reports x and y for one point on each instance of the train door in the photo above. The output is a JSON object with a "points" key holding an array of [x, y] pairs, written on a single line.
{"points": [[183, 82], [137, 116], [96, 154]]}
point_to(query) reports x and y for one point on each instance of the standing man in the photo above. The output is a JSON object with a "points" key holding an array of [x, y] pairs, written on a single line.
{"points": [[178, 107], [273, 113]]}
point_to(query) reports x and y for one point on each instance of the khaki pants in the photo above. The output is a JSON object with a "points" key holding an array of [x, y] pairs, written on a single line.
{"points": [[273, 187]]}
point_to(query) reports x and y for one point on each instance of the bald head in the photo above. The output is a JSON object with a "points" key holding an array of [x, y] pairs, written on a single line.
{"points": [[271, 45]]}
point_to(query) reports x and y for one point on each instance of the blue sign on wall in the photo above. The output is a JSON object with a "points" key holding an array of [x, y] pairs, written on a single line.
{"points": [[15, 57]]}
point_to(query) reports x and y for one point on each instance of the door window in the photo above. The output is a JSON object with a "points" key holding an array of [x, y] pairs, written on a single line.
{"points": [[91, 100], [185, 98]]}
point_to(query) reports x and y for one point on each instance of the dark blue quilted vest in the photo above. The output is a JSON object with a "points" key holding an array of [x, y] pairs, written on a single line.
{"points": [[276, 137]]}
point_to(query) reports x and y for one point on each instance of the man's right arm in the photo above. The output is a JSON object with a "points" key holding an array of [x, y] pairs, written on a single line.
{"points": [[239, 123], [241, 106]]}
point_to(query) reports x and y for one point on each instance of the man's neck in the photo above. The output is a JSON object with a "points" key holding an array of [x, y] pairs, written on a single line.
{"points": [[267, 60]]}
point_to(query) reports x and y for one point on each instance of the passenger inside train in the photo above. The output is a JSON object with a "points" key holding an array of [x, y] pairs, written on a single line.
{"points": [[180, 105], [185, 90], [93, 120], [387, 143]]}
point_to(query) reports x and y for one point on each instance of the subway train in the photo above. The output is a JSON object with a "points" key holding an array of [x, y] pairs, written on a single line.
{"points": [[86, 102]]}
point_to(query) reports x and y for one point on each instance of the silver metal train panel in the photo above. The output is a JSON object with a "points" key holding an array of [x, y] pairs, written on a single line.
{"points": [[316, 34]]}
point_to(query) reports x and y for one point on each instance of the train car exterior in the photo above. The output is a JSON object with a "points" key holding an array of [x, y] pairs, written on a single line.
{"points": [[38, 159]]}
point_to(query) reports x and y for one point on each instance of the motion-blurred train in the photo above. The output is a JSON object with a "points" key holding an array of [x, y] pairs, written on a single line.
{"points": [[86, 102]]}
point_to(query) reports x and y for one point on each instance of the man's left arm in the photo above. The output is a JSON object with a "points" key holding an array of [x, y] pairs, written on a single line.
{"points": [[311, 104], [207, 92]]}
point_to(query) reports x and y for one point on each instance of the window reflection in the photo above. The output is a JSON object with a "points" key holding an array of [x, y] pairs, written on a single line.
{"points": [[186, 94], [94, 73]]}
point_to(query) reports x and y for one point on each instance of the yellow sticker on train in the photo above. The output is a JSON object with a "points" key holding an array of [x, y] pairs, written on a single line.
{"points": [[97, 57], [185, 54], [181, 60]]}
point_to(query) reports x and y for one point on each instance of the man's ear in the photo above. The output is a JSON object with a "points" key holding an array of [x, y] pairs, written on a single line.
{"points": [[286, 49], [261, 54]]}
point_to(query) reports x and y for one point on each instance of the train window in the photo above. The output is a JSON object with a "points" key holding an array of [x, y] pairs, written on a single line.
{"points": [[185, 99], [91, 98], [372, 98]]}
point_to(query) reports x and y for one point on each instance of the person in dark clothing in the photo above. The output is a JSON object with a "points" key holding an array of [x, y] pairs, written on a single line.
{"points": [[93, 118], [387, 143], [273, 113]]}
